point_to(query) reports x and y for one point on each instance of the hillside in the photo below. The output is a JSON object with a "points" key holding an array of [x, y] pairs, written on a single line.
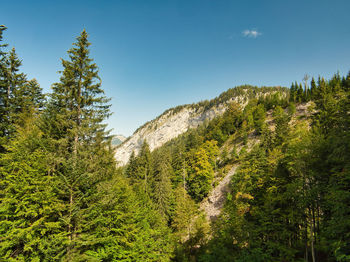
{"points": [[253, 175], [176, 121], [213, 204]]}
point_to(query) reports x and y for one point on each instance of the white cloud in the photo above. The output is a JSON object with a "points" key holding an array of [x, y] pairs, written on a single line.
{"points": [[251, 33]]}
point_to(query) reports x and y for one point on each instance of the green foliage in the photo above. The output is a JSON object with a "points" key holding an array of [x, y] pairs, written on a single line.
{"points": [[17, 95], [201, 170], [162, 193], [259, 116], [289, 198], [140, 168], [282, 125], [62, 198], [30, 228], [185, 210], [121, 226]]}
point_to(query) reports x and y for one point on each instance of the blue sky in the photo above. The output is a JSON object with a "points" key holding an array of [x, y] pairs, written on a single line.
{"points": [[154, 55]]}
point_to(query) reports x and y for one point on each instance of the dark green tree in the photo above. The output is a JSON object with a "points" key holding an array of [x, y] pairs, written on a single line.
{"points": [[293, 93], [3, 92], [80, 145], [12, 92], [162, 188], [259, 116], [30, 226], [139, 169], [282, 125], [313, 89]]}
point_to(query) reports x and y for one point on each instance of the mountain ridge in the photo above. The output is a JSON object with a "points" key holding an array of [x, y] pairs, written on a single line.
{"points": [[175, 121]]}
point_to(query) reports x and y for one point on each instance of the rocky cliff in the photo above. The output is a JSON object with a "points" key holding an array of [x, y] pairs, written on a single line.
{"points": [[178, 120]]}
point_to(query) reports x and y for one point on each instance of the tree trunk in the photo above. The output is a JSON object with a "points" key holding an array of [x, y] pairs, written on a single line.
{"points": [[305, 235], [312, 236], [70, 233]]}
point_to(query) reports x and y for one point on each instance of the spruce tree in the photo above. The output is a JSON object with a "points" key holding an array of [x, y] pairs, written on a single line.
{"points": [[300, 93], [185, 210], [81, 146], [140, 168], [259, 118], [346, 82], [292, 92], [30, 228], [33, 96], [313, 89], [162, 190], [3, 91], [17, 95], [15, 82]]}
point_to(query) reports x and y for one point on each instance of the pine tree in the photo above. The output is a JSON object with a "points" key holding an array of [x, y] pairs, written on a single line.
{"points": [[12, 85], [162, 188], [313, 89], [81, 146], [259, 116], [282, 126], [346, 82], [300, 93], [185, 210], [140, 168], [178, 163], [30, 229], [3, 92], [292, 93], [123, 226], [33, 96]]}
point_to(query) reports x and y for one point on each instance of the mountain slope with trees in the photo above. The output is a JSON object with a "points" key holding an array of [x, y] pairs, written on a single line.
{"points": [[175, 121], [275, 162]]}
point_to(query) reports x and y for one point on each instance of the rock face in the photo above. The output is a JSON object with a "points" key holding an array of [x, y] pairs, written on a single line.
{"points": [[178, 120], [165, 128]]}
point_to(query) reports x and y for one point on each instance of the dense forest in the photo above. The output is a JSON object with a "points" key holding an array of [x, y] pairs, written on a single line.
{"points": [[63, 198]]}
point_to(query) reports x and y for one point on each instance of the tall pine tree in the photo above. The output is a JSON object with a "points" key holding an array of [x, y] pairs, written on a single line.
{"points": [[81, 146]]}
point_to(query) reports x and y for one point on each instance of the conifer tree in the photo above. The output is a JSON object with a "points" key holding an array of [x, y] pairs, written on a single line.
{"points": [[162, 189], [313, 89], [259, 118], [30, 229], [3, 91], [123, 226], [282, 127], [12, 85], [81, 146], [15, 85], [17, 95], [178, 163], [292, 92], [185, 210], [346, 82], [300, 93], [140, 168], [33, 96]]}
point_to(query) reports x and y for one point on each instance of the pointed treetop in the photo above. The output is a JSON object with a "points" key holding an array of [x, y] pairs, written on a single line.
{"points": [[2, 28]]}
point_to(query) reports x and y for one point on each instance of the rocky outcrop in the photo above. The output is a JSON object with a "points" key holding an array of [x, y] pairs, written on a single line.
{"points": [[176, 121], [169, 126]]}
